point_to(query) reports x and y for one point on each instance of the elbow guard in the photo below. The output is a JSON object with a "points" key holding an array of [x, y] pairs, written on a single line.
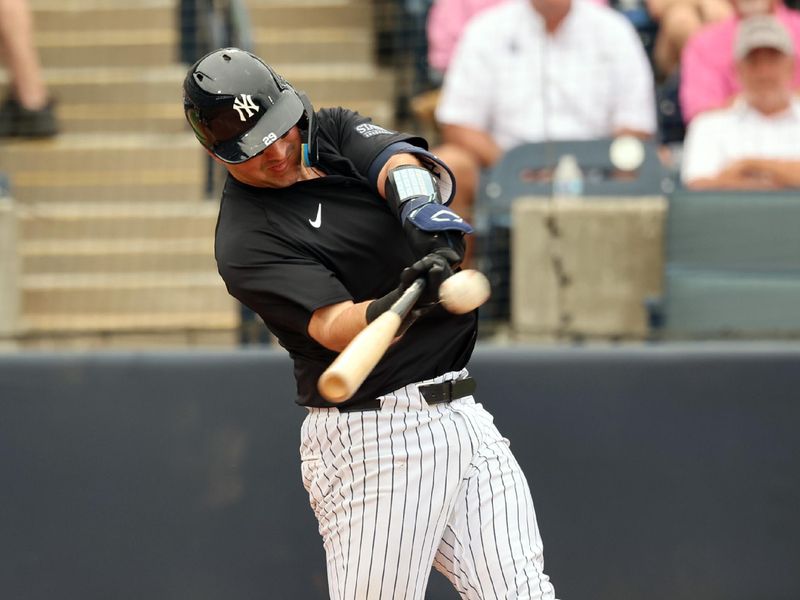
{"points": [[413, 195]]}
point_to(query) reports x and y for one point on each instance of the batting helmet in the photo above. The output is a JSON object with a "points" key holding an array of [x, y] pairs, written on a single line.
{"points": [[237, 106]]}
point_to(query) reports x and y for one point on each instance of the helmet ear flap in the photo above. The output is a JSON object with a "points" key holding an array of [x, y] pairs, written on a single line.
{"points": [[307, 124], [308, 130]]}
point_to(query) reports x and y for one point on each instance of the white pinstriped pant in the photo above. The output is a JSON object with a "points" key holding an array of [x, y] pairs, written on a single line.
{"points": [[408, 486]]}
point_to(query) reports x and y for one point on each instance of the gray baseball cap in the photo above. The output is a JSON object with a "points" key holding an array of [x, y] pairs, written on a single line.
{"points": [[761, 31]]}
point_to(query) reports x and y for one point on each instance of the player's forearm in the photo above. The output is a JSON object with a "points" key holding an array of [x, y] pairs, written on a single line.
{"points": [[477, 142], [395, 160], [335, 325]]}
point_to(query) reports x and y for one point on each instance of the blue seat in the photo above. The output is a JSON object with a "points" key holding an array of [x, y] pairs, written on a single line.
{"points": [[524, 171], [732, 266]]}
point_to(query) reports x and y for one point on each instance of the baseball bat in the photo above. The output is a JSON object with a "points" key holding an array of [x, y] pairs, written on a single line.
{"points": [[346, 374]]}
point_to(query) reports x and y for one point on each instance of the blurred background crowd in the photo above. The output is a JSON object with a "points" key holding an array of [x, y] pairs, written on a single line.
{"points": [[631, 166]]}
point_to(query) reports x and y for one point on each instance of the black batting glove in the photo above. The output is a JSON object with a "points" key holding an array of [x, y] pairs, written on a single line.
{"points": [[434, 268], [423, 243]]}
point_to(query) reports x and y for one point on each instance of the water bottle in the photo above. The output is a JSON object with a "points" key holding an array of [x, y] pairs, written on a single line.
{"points": [[567, 178]]}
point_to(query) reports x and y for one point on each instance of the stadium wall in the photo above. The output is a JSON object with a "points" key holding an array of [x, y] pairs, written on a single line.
{"points": [[658, 473]]}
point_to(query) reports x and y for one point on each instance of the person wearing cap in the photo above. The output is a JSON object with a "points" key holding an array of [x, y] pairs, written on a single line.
{"points": [[754, 143], [326, 220], [708, 78]]}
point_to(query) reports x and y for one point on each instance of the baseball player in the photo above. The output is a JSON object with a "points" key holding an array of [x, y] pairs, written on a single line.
{"points": [[325, 219]]}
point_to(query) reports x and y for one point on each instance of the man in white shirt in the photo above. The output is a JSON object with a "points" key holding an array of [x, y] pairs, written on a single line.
{"points": [[540, 70], [535, 71], [755, 143]]}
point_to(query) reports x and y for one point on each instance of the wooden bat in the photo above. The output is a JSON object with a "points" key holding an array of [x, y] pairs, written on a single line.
{"points": [[346, 374]]}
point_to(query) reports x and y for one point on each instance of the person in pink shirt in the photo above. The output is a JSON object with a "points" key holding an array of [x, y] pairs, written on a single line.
{"points": [[446, 21], [708, 71]]}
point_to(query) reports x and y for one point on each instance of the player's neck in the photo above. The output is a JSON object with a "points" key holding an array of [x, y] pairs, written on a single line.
{"points": [[310, 172]]}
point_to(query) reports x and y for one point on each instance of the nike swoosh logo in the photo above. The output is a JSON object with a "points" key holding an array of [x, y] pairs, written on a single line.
{"points": [[318, 221]]}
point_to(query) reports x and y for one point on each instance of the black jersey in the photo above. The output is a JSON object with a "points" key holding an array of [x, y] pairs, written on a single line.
{"points": [[286, 252]]}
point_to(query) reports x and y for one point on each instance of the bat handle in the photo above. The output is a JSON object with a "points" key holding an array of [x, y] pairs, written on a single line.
{"points": [[403, 305], [346, 374]]}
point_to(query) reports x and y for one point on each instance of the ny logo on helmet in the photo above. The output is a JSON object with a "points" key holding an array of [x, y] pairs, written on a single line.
{"points": [[245, 104]]}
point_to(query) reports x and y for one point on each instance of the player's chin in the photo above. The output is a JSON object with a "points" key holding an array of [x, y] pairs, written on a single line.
{"points": [[281, 177]]}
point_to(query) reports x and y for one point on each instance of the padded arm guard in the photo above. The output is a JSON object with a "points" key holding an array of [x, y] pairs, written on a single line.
{"points": [[413, 195]]}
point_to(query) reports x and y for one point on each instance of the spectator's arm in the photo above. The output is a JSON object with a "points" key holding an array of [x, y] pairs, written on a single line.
{"points": [[465, 109], [730, 180], [752, 174], [657, 8], [478, 143], [642, 135], [634, 110], [777, 172]]}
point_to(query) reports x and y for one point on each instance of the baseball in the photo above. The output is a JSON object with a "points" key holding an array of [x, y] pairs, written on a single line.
{"points": [[465, 291], [626, 153]]}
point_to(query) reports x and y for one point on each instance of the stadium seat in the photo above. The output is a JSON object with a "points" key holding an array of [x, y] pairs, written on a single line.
{"points": [[732, 266]]}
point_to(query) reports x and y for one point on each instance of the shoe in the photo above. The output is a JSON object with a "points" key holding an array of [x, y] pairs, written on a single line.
{"points": [[8, 118], [18, 121]]}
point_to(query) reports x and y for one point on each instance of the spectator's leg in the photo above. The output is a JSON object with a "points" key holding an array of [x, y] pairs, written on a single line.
{"points": [[16, 36]]}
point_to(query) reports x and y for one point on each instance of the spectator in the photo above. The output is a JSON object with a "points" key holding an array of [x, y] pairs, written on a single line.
{"points": [[708, 74], [538, 70], [677, 21], [27, 111], [446, 22], [754, 143]]}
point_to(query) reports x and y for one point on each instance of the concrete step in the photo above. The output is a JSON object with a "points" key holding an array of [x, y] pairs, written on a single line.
{"points": [[122, 117], [111, 222], [154, 46], [314, 45], [131, 99], [158, 46], [88, 256], [75, 167], [103, 15], [90, 295], [287, 14], [329, 84], [39, 5], [93, 15], [168, 117]]}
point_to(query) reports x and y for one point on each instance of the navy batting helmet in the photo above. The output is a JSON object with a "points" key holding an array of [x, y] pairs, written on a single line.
{"points": [[237, 106]]}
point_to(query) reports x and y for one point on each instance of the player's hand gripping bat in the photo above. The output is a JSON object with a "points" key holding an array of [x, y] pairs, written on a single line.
{"points": [[461, 293]]}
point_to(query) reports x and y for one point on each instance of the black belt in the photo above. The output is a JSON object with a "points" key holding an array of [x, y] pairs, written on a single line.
{"points": [[433, 393]]}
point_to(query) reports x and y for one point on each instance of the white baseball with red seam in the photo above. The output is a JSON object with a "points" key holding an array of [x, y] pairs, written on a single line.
{"points": [[465, 291]]}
